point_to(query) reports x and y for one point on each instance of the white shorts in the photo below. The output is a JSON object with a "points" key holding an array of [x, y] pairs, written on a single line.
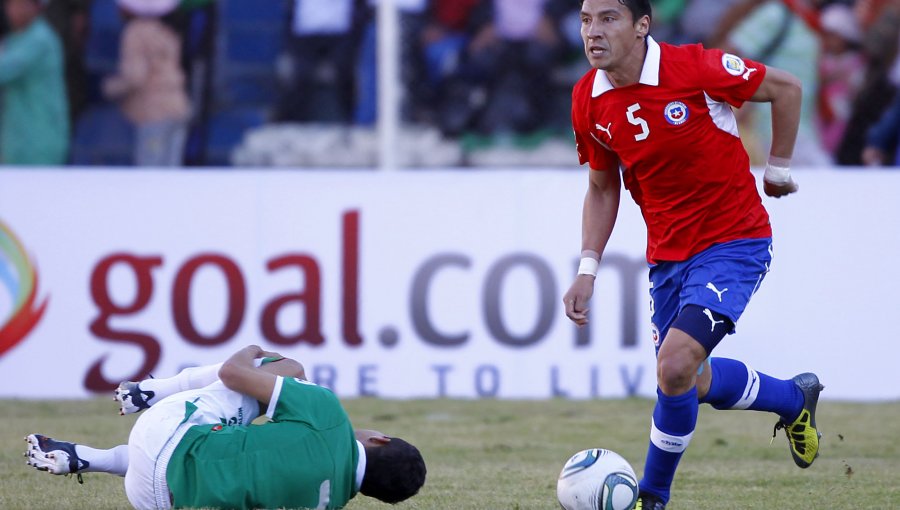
{"points": [[159, 429]]}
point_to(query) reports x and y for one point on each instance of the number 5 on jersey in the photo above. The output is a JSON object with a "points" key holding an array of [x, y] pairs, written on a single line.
{"points": [[637, 121]]}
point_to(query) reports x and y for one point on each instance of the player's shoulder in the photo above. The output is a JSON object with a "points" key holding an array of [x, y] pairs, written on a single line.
{"points": [[692, 62], [308, 391], [303, 401], [683, 53], [584, 85], [297, 384]]}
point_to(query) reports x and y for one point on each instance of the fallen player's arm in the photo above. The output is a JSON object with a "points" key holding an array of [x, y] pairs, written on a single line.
{"points": [[286, 367], [240, 373]]}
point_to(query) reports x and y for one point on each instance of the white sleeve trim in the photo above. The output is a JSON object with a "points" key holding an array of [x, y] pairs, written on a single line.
{"points": [[360, 466], [276, 394], [722, 116]]}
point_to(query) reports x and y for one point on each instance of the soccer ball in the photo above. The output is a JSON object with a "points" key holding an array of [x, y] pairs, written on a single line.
{"points": [[597, 479]]}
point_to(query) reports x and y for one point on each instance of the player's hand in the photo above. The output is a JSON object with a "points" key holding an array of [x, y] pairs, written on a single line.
{"points": [[779, 190], [577, 298], [255, 351], [269, 354]]}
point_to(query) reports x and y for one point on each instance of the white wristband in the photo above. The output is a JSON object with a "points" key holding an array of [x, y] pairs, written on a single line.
{"points": [[588, 266], [778, 170], [777, 174]]}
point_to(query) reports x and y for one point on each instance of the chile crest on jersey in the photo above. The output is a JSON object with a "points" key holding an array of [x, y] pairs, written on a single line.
{"points": [[676, 113]]}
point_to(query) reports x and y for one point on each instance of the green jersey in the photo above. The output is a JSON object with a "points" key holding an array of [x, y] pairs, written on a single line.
{"points": [[306, 457]]}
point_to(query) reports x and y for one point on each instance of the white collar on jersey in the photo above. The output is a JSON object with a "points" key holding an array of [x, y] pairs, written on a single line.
{"points": [[649, 73], [360, 465]]}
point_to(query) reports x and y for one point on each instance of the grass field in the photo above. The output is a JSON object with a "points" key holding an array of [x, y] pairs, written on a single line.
{"points": [[485, 455]]}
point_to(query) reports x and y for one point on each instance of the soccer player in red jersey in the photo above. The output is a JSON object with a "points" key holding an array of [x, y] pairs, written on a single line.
{"points": [[659, 119]]}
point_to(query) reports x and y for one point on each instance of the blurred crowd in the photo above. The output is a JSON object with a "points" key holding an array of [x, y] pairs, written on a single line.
{"points": [[189, 79]]}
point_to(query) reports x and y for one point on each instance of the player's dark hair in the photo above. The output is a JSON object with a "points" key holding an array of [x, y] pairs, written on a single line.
{"points": [[638, 8], [395, 471]]}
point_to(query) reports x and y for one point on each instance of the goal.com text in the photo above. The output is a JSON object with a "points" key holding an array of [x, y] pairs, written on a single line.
{"points": [[304, 303]]}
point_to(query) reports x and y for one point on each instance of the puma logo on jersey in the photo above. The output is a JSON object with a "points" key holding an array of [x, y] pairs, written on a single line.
{"points": [[749, 70], [718, 292], [708, 313], [605, 129]]}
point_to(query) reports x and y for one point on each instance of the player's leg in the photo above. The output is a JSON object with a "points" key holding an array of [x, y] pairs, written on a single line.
{"points": [[153, 437], [137, 396], [736, 386], [157, 432], [64, 458], [724, 284], [675, 415], [134, 397], [696, 303]]}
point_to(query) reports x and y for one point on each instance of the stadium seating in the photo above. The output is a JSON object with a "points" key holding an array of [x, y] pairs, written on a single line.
{"points": [[249, 38], [226, 130], [102, 50], [102, 136]]}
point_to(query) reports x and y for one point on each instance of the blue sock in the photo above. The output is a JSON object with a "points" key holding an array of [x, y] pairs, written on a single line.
{"points": [[674, 419], [736, 386]]}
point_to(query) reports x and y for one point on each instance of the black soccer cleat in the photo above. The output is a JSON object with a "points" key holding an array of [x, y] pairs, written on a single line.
{"points": [[647, 501], [55, 457], [132, 398], [803, 437]]}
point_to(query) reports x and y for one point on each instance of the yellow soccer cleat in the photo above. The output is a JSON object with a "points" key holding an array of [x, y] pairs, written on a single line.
{"points": [[647, 501], [803, 437]]}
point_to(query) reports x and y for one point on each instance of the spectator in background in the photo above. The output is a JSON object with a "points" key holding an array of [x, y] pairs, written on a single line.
{"points": [[881, 29], [318, 80], [508, 67], [868, 11], [666, 17], [700, 18], [441, 45], [841, 69], [34, 125], [772, 32], [70, 20], [150, 84], [883, 139]]}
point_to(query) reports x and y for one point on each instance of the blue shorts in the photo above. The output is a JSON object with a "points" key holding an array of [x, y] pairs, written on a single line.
{"points": [[722, 278]]}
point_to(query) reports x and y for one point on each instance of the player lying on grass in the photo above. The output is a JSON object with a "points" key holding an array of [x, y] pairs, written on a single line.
{"points": [[195, 445]]}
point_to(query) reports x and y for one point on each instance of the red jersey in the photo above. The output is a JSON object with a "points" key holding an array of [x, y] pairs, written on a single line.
{"points": [[674, 137]]}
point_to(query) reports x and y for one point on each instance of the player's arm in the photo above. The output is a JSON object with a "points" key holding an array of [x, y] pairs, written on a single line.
{"points": [[601, 207], [784, 92], [240, 373]]}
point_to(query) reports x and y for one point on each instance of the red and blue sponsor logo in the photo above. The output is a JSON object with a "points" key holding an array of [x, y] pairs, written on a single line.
{"points": [[20, 307]]}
